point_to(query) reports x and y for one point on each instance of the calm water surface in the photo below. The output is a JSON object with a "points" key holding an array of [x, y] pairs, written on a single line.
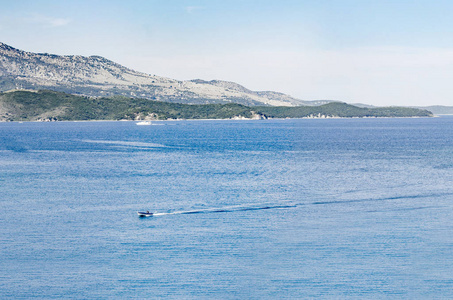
{"points": [[281, 209]]}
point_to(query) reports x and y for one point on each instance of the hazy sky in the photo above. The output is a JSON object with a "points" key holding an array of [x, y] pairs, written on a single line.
{"points": [[396, 52]]}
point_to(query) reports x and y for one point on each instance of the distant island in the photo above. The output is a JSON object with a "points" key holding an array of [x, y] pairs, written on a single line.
{"points": [[57, 106], [438, 109]]}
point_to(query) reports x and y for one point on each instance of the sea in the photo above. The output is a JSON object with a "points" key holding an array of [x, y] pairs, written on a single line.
{"points": [[262, 209]]}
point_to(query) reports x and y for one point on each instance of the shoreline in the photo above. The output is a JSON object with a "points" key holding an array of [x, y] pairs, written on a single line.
{"points": [[234, 119]]}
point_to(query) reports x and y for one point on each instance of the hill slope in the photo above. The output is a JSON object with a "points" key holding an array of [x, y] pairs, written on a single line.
{"points": [[57, 106], [100, 77]]}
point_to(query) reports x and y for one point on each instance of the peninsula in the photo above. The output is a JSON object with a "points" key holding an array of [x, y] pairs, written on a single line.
{"points": [[58, 106]]}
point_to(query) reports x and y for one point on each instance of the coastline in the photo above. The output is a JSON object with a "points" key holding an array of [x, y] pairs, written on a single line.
{"points": [[229, 119]]}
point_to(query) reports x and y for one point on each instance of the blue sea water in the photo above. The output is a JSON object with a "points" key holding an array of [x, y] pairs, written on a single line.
{"points": [[274, 209]]}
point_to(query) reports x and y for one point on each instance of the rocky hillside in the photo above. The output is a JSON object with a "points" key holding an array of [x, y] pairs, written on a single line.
{"points": [[97, 76]]}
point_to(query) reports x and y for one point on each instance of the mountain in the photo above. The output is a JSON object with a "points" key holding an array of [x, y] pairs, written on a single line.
{"points": [[96, 76]]}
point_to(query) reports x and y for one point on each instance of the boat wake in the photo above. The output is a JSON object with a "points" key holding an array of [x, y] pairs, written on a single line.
{"points": [[264, 206], [225, 209]]}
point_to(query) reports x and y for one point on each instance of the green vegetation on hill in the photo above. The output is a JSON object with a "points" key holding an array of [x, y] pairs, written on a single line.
{"points": [[56, 106], [341, 110]]}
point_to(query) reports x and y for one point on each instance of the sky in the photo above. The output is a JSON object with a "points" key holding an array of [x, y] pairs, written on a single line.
{"points": [[380, 52]]}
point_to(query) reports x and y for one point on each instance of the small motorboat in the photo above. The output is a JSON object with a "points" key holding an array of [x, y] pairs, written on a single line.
{"points": [[144, 214]]}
